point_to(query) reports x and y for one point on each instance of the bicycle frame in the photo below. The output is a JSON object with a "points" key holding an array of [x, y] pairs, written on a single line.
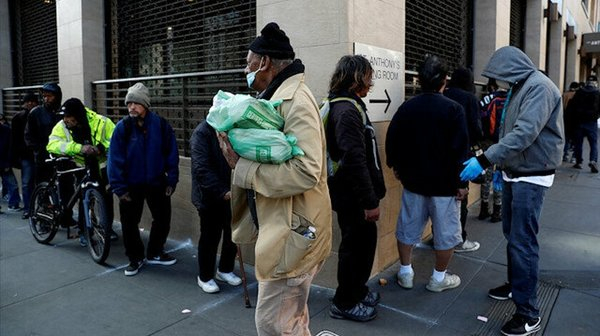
{"points": [[83, 184], [49, 208]]}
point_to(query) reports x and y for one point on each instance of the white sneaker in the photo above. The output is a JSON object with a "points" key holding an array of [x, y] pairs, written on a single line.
{"points": [[406, 280], [208, 287], [450, 281], [230, 278], [467, 246]]}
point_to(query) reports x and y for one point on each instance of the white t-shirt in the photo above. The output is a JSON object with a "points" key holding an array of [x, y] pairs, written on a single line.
{"points": [[544, 181]]}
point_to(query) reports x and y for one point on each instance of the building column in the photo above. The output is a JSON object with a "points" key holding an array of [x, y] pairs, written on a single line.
{"points": [[492, 31], [535, 32], [556, 55], [81, 47]]}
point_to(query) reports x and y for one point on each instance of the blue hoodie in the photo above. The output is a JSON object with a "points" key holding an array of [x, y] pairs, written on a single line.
{"points": [[532, 135], [140, 158]]}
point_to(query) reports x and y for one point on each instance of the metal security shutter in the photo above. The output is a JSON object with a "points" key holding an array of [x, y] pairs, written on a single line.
{"points": [[185, 50], [438, 27], [517, 23], [33, 29], [160, 37]]}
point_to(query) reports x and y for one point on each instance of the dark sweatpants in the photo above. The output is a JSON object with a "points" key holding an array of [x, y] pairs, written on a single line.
{"points": [[214, 221], [356, 254], [131, 214]]}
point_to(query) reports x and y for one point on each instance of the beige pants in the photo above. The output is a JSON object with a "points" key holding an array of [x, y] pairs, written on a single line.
{"points": [[281, 307]]}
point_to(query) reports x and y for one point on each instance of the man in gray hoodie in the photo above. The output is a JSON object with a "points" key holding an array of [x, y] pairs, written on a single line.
{"points": [[528, 152]]}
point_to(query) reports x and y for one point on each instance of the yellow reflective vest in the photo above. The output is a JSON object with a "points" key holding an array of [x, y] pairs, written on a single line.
{"points": [[61, 140]]}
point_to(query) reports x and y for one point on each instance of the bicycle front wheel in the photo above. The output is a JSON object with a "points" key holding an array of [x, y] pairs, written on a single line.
{"points": [[43, 219], [97, 228]]}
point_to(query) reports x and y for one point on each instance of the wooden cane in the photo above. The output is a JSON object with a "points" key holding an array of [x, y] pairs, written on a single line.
{"points": [[244, 283]]}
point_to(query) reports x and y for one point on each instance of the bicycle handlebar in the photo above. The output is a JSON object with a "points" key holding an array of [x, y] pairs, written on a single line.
{"points": [[58, 159]]}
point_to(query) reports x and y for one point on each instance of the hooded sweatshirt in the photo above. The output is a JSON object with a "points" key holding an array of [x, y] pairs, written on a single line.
{"points": [[532, 132]]}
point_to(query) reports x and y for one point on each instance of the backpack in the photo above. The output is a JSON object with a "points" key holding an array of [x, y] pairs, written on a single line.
{"points": [[333, 166], [128, 124], [491, 115]]}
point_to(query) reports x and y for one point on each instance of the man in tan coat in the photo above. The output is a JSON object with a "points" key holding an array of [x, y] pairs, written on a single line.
{"points": [[284, 208]]}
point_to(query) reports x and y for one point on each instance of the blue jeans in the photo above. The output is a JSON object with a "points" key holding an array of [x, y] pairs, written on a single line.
{"points": [[587, 130], [521, 210], [27, 182], [12, 187]]}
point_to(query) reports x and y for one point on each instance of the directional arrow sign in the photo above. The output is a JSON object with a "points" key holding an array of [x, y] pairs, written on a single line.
{"points": [[388, 77], [379, 101]]}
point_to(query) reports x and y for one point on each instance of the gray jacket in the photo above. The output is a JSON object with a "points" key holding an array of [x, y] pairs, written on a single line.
{"points": [[532, 136]]}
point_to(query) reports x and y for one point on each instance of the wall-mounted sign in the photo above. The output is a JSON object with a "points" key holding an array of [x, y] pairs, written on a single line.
{"points": [[388, 76], [590, 43]]}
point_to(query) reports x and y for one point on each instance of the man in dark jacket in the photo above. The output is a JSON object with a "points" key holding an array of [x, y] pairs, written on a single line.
{"points": [[40, 122], [143, 165], [528, 152], [426, 143], [22, 156], [584, 109], [460, 89], [211, 194]]}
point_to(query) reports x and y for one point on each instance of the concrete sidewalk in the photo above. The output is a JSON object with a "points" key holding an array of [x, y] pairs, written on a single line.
{"points": [[58, 290]]}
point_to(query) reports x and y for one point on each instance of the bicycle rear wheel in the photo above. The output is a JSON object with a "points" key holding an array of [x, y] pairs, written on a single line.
{"points": [[97, 228], [43, 219]]}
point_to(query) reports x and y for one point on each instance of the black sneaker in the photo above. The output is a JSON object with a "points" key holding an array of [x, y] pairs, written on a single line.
{"points": [[359, 313], [593, 167], [501, 293], [520, 326], [113, 236], [25, 215], [163, 259], [372, 299], [577, 166], [133, 267]]}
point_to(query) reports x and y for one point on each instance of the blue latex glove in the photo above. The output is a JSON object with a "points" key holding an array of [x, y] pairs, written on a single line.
{"points": [[472, 170], [497, 180]]}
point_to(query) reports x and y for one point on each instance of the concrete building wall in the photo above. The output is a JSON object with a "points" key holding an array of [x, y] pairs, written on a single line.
{"points": [[6, 73], [491, 31], [318, 32], [80, 37], [385, 32], [535, 32], [556, 52]]}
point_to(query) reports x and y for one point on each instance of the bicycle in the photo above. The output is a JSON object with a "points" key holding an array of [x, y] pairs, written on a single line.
{"points": [[47, 209]]}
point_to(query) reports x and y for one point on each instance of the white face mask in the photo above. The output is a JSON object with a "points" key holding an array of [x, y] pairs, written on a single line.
{"points": [[250, 77], [503, 84]]}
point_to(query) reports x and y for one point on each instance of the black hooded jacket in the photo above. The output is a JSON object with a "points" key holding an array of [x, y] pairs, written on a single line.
{"points": [[211, 175], [359, 178], [584, 107]]}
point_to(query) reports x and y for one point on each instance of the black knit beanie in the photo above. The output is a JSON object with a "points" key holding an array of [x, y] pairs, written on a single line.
{"points": [[74, 107], [273, 42]]}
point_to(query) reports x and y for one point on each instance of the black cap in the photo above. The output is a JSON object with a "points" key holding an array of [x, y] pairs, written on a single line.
{"points": [[273, 42], [30, 97], [73, 107], [592, 79]]}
